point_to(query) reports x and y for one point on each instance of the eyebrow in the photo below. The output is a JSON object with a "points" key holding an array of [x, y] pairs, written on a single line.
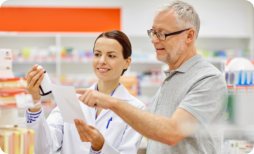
{"points": [[107, 51], [111, 52], [158, 29]]}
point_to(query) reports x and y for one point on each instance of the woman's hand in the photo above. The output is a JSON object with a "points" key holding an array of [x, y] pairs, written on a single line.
{"points": [[88, 133], [34, 78]]}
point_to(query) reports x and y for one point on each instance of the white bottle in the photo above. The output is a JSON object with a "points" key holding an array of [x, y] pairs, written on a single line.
{"points": [[45, 87]]}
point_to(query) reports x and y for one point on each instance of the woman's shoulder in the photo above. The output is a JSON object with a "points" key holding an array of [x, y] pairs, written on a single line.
{"points": [[137, 103], [129, 98]]}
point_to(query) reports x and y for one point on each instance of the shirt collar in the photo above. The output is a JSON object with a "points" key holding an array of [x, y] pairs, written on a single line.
{"points": [[185, 66]]}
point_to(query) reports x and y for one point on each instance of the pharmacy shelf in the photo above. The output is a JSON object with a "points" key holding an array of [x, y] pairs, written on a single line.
{"points": [[239, 133], [143, 59], [139, 42]]}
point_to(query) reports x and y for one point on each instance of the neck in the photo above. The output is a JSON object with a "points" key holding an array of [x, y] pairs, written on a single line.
{"points": [[183, 58], [107, 87]]}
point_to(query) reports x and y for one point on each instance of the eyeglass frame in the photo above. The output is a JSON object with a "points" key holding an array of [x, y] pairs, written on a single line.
{"points": [[149, 32]]}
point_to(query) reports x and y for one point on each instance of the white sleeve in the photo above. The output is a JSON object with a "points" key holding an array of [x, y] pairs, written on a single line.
{"points": [[130, 141], [129, 144], [48, 133]]}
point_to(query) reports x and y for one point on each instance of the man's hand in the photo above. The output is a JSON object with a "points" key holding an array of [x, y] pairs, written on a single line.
{"points": [[94, 98], [88, 133]]}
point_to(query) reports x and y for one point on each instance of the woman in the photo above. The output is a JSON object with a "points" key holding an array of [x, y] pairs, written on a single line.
{"points": [[106, 132]]}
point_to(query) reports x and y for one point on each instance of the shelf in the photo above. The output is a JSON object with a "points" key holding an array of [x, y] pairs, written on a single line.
{"points": [[232, 36], [146, 62], [222, 43], [237, 132], [82, 61], [139, 42], [31, 62], [143, 55]]}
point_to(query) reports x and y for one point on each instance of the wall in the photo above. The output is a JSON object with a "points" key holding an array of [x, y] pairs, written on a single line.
{"points": [[225, 24], [231, 18]]}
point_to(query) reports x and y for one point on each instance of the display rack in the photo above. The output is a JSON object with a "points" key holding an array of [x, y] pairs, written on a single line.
{"points": [[49, 49], [67, 58]]}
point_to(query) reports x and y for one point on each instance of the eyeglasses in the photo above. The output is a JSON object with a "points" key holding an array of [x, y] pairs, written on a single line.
{"points": [[162, 36]]}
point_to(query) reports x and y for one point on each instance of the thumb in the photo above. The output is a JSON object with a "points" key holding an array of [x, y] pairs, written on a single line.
{"points": [[80, 91]]}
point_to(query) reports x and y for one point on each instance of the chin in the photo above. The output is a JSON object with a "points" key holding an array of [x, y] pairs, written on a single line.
{"points": [[100, 76], [162, 58], [103, 78]]}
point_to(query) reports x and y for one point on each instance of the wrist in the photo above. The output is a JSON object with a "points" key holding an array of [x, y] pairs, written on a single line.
{"points": [[36, 107], [36, 98], [97, 146], [113, 104], [94, 152]]}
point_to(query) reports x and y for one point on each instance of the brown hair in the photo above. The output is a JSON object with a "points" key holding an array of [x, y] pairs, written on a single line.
{"points": [[121, 38]]}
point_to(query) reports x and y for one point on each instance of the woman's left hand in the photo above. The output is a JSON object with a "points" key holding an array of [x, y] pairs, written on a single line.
{"points": [[88, 133]]}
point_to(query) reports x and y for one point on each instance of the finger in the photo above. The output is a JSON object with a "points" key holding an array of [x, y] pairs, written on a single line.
{"points": [[83, 96], [87, 128], [32, 79], [89, 99], [36, 77], [37, 84], [80, 91], [34, 67], [91, 127], [81, 127], [86, 97], [83, 137], [31, 70], [91, 133], [80, 130], [31, 74]]}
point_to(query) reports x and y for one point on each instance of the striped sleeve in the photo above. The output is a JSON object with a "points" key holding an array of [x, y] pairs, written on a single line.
{"points": [[32, 116], [94, 152]]}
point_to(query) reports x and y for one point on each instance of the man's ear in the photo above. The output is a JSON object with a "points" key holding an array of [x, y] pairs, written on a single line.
{"points": [[191, 35]]}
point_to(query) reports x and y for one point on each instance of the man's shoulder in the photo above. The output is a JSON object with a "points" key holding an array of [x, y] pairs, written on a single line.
{"points": [[203, 67], [204, 71]]}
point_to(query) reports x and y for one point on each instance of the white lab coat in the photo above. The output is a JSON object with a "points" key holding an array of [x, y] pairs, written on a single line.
{"points": [[55, 136]]}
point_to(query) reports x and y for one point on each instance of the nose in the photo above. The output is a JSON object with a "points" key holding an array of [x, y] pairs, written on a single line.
{"points": [[102, 59], [154, 39]]}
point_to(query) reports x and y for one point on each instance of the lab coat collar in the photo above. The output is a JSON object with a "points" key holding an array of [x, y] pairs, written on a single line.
{"points": [[120, 92]]}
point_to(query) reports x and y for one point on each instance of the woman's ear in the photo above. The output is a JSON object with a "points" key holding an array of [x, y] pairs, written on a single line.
{"points": [[128, 62]]}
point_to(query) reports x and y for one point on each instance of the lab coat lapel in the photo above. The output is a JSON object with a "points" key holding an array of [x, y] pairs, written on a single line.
{"points": [[103, 112], [120, 93], [100, 116]]}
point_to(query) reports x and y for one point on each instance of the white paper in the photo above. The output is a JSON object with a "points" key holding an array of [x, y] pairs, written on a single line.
{"points": [[1, 151], [68, 103]]}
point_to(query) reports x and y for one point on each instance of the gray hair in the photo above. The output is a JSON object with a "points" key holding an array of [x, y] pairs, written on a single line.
{"points": [[185, 14]]}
